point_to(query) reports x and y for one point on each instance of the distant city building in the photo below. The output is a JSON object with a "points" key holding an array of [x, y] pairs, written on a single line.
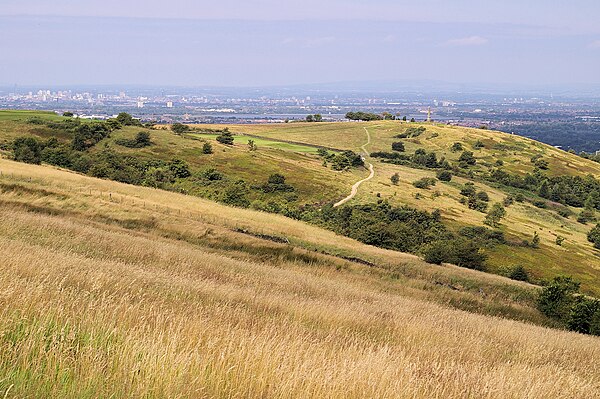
{"points": [[169, 104], [140, 104]]}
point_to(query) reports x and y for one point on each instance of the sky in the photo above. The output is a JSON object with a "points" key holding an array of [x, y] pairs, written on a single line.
{"points": [[267, 42]]}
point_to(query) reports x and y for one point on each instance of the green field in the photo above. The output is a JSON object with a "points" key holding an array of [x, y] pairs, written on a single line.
{"points": [[261, 142]]}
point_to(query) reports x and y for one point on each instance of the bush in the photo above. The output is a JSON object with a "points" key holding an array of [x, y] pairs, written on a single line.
{"points": [[556, 299], [207, 148], [126, 119], [444, 175], [494, 215], [483, 196], [456, 147], [142, 139], [467, 158], [518, 273], [395, 179], [424, 183], [461, 252], [398, 146], [594, 236], [27, 149], [179, 168]]}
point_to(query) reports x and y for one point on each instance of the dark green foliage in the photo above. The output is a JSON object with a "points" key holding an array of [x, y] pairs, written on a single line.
{"points": [[67, 114], [494, 215], [461, 252], [212, 174], [582, 314], [207, 148], [398, 146], [363, 116], [560, 300], [395, 179], [483, 196], [467, 158], [346, 160], [594, 236], [236, 195], [179, 128], [276, 183], [483, 235], [314, 118], [88, 135], [142, 139], [456, 147], [556, 298], [27, 149], [225, 138], [444, 175], [179, 168], [424, 183], [478, 144], [518, 273], [126, 119], [411, 132]]}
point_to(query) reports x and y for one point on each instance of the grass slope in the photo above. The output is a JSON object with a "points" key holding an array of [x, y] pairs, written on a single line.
{"points": [[111, 290], [576, 257]]}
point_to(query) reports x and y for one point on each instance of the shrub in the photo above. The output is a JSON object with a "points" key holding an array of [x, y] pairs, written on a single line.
{"points": [[467, 158], [142, 139], [179, 128], [518, 273], [594, 236], [395, 179], [27, 149], [444, 175], [456, 147], [398, 146], [483, 196], [556, 298], [179, 168], [478, 144], [207, 148], [424, 183], [494, 215]]}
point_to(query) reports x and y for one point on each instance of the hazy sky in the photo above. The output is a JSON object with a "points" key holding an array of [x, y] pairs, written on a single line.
{"points": [[268, 42]]}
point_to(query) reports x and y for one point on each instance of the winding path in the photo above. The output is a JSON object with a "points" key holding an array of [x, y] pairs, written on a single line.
{"points": [[358, 183]]}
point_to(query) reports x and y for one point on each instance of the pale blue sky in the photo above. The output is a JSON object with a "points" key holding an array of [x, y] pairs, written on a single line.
{"points": [[268, 42]]}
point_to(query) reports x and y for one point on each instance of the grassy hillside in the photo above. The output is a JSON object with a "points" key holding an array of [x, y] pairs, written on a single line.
{"points": [[575, 257], [114, 290], [291, 150]]}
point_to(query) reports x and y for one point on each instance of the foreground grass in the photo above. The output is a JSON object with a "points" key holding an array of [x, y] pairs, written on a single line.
{"points": [[109, 290]]}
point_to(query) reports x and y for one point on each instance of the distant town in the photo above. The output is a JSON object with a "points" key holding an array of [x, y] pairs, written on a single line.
{"points": [[560, 121]]}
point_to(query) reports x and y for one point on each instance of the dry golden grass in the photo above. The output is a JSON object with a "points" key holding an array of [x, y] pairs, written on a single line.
{"points": [[137, 294]]}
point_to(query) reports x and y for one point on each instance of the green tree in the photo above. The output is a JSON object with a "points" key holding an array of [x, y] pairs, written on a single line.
{"points": [[467, 157], [309, 118], [179, 128], [225, 138], [444, 175], [251, 145], [518, 273], [398, 146], [207, 148], [494, 215], [594, 236], [556, 299], [68, 114], [395, 179], [27, 149], [179, 168]]}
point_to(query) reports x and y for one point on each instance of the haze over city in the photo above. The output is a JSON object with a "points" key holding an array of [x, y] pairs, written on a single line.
{"points": [[263, 43]]}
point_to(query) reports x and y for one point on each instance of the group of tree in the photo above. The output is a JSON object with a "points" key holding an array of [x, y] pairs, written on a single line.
{"points": [[363, 116], [411, 132], [141, 140], [314, 118], [561, 300]]}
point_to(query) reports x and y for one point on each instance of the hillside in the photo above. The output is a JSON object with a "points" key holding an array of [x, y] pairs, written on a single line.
{"points": [[109, 289], [575, 257]]}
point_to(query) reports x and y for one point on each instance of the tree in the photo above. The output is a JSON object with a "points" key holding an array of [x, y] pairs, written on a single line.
{"points": [[318, 118], [398, 146], [68, 114], [126, 119], [556, 298], [207, 148], [404, 118], [27, 149], [225, 138], [494, 215], [179, 168], [456, 147], [251, 145], [309, 118], [179, 128], [594, 236], [412, 120], [395, 179]]}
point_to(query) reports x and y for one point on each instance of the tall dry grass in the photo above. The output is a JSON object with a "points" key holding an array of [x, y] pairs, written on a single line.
{"points": [[91, 309]]}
